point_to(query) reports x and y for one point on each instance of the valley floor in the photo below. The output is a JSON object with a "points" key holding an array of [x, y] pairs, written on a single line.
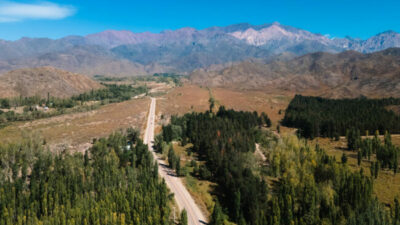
{"points": [[76, 131]]}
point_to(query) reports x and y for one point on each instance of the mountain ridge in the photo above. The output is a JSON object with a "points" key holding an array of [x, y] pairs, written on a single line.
{"points": [[125, 53], [40, 81], [345, 74]]}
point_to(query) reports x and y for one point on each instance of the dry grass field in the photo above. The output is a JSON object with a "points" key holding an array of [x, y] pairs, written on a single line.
{"points": [[253, 101], [77, 130], [190, 98], [183, 99]]}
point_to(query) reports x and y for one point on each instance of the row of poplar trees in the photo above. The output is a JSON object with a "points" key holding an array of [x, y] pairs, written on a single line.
{"points": [[114, 182]]}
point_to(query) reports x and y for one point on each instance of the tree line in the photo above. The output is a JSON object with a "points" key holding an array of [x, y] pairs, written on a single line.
{"points": [[112, 93], [321, 117], [114, 182]]}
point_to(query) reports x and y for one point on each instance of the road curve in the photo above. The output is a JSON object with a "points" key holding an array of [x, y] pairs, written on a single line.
{"points": [[182, 196]]}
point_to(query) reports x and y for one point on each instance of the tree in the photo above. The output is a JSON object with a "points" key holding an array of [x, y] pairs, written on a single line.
{"points": [[159, 143], [178, 166], [184, 141], [237, 207], [336, 136], [204, 173], [5, 103], [171, 158], [183, 220], [344, 158], [377, 167], [372, 169], [353, 139], [133, 134], [217, 217], [396, 210], [212, 103], [265, 119]]}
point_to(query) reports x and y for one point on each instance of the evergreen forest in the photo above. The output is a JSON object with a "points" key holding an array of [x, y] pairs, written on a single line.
{"points": [[321, 117], [298, 184]]}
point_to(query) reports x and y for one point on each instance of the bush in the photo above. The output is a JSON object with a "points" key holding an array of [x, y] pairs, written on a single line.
{"points": [[5, 103]]}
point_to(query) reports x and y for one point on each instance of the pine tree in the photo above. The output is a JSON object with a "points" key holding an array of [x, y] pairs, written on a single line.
{"points": [[217, 217]]}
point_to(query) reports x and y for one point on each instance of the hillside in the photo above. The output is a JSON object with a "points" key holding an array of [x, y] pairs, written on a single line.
{"points": [[125, 53], [347, 74], [43, 80]]}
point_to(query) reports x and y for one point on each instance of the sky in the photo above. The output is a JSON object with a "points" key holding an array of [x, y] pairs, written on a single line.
{"points": [[56, 18]]}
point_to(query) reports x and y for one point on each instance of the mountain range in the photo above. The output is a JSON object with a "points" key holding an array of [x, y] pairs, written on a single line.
{"points": [[335, 75], [124, 53]]}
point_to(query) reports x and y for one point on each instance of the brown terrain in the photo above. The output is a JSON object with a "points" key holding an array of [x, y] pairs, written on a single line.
{"points": [[347, 74], [183, 99], [76, 131], [247, 100], [42, 80]]}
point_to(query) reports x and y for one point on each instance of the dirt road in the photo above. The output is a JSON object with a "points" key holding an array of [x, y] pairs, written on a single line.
{"points": [[182, 196]]}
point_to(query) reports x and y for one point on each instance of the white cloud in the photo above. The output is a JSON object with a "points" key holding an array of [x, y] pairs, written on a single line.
{"points": [[12, 11]]}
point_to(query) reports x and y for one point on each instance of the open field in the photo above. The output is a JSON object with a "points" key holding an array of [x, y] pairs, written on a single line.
{"points": [[386, 186], [253, 101], [183, 99], [77, 130], [194, 98]]}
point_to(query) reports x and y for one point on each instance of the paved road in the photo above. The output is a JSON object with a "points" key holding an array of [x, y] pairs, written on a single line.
{"points": [[182, 196]]}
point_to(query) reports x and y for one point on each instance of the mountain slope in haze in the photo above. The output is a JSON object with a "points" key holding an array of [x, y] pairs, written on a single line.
{"points": [[347, 74], [124, 53], [43, 80], [89, 60]]}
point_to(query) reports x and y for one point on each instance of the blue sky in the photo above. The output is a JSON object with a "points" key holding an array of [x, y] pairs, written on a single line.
{"points": [[56, 18]]}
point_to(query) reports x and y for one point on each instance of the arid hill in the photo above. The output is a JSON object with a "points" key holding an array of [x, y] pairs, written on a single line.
{"points": [[42, 80], [347, 74]]}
